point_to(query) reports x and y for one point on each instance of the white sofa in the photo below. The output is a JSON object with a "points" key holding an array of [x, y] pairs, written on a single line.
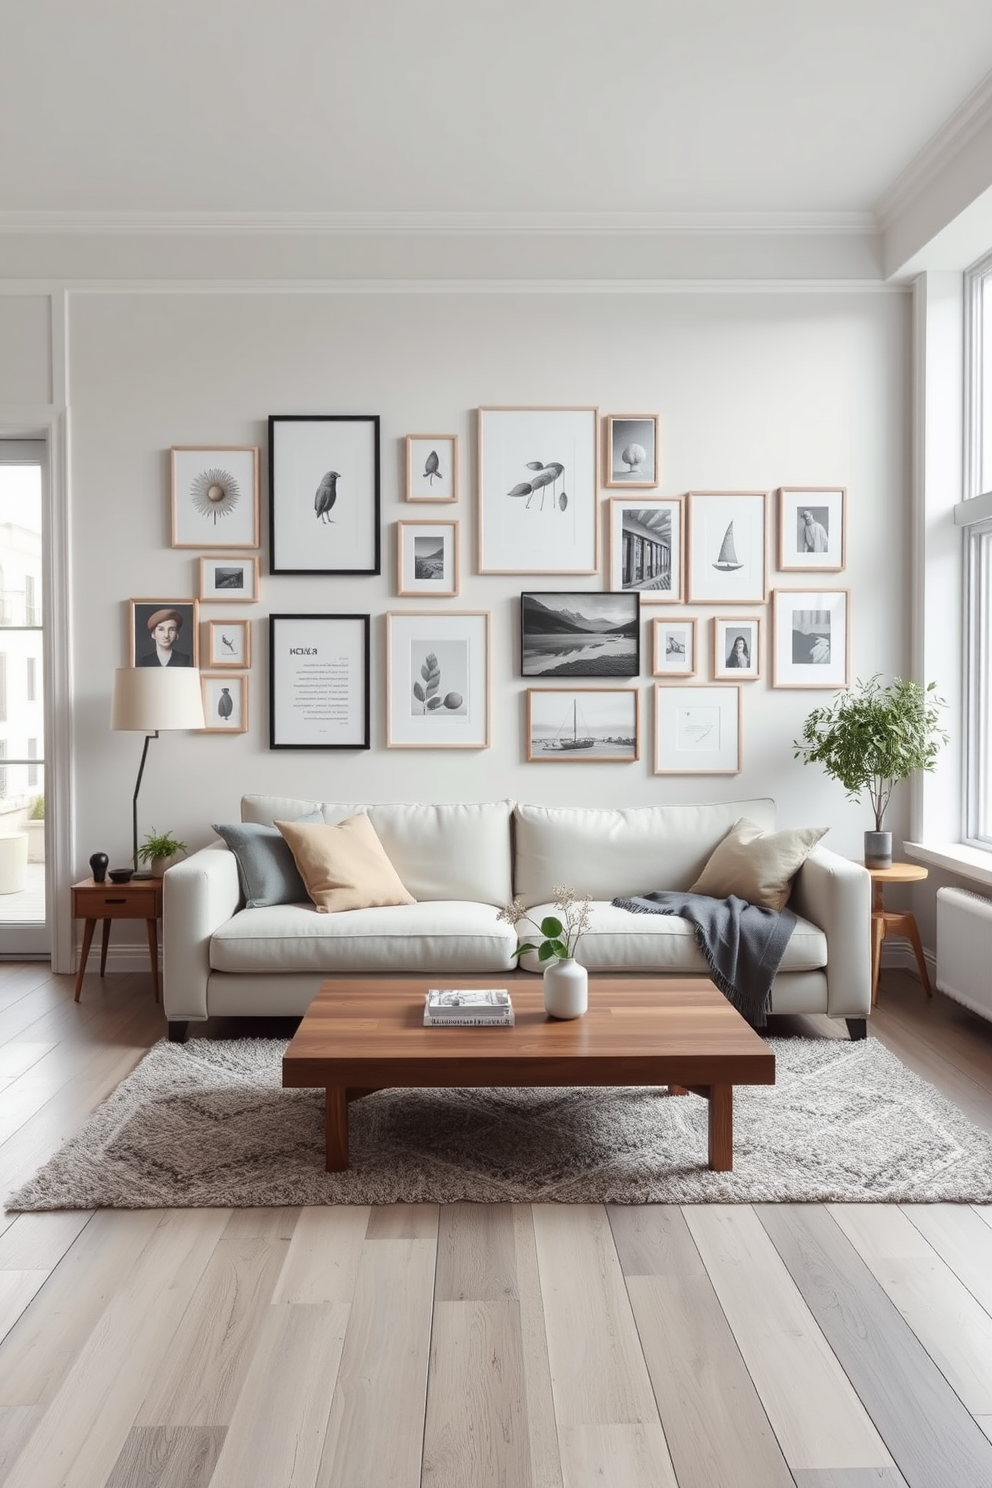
{"points": [[461, 862]]}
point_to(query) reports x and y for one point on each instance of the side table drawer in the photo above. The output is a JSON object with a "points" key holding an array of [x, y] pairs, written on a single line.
{"points": [[97, 904]]}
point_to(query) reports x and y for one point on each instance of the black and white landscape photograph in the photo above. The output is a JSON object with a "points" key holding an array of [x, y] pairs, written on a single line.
{"points": [[580, 635], [427, 554], [589, 723]]}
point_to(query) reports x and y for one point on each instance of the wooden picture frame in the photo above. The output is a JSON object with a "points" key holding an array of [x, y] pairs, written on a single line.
{"points": [[438, 672], [674, 646], [228, 643], [148, 649], [432, 467], [631, 451], [697, 729], [812, 528], [647, 547], [229, 579], [214, 495], [427, 559], [811, 638], [736, 647], [584, 633], [225, 702], [583, 725], [319, 682], [728, 547], [324, 481]]}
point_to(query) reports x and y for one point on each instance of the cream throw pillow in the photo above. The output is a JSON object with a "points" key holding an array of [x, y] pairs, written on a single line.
{"points": [[755, 865], [344, 866]]}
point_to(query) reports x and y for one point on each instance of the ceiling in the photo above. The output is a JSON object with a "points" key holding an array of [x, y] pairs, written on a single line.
{"points": [[521, 107]]}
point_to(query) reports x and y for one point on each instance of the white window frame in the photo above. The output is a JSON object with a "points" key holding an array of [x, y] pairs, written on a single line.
{"points": [[974, 515]]}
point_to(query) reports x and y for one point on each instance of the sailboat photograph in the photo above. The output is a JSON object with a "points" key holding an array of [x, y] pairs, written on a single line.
{"points": [[728, 561], [598, 723]]}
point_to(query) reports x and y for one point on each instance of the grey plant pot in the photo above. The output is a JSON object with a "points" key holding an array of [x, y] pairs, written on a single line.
{"points": [[878, 849]]}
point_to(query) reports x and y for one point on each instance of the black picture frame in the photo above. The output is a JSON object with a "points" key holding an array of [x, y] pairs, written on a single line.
{"points": [[319, 682], [324, 493], [580, 633]]}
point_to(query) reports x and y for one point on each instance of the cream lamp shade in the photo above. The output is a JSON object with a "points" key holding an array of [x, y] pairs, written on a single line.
{"points": [[147, 699]]}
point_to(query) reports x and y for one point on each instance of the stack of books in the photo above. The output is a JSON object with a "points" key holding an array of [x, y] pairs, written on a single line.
{"points": [[489, 1007]]}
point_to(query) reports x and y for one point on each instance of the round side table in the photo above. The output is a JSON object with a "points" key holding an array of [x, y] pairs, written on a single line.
{"points": [[888, 922]]}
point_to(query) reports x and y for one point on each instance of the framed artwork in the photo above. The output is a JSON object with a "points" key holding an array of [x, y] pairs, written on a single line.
{"points": [[631, 451], [811, 638], [584, 634], [697, 730], [228, 643], [586, 723], [228, 580], [728, 547], [162, 632], [319, 681], [673, 647], [437, 679], [225, 703], [324, 493], [538, 490], [427, 558], [214, 496], [431, 467], [737, 647], [646, 547], [812, 527]]}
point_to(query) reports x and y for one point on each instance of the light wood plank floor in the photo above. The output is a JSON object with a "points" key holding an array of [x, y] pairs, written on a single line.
{"points": [[480, 1346]]}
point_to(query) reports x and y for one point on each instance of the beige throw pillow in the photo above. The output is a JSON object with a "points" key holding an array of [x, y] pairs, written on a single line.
{"points": [[755, 865], [344, 866]]}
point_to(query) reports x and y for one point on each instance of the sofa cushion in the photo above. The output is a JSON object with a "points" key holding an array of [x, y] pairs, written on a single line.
{"points": [[267, 870], [344, 866], [626, 851], [755, 865], [434, 938], [456, 850]]}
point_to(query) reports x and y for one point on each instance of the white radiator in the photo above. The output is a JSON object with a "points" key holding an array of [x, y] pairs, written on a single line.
{"points": [[964, 948]]}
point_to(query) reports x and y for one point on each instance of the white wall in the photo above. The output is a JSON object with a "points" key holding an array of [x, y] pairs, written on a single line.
{"points": [[754, 389]]}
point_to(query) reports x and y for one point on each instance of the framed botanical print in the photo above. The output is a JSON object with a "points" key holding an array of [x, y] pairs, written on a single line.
{"points": [[324, 493], [431, 467], [811, 638], [580, 634], [673, 646], [697, 730], [214, 496], [319, 681], [225, 703], [538, 488], [437, 679], [812, 528], [737, 647], [427, 559], [228, 580], [228, 643], [728, 547], [646, 547], [163, 632], [630, 450], [584, 724]]}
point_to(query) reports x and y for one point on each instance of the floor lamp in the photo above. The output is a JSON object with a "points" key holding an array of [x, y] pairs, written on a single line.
{"points": [[147, 699]]}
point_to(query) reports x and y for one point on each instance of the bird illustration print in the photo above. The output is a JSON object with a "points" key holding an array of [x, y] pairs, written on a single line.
{"points": [[327, 494], [225, 703], [228, 643], [544, 476], [432, 470]]}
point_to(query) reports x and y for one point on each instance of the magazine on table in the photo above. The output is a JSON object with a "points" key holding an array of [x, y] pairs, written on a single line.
{"points": [[468, 1007]]}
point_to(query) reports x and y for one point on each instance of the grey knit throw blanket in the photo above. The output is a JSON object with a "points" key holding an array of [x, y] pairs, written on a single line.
{"points": [[743, 943]]}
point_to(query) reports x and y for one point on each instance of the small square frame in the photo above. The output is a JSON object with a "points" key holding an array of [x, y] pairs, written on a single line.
{"points": [[442, 654], [802, 620], [222, 692], [214, 493], [647, 547], [142, 650], [819, 544], [626, 434], [228, 643], [431, 467], [731, 633], [728, 547], [230, 579], [423, 573], [697, 729], [569, 718], [674, 646]]}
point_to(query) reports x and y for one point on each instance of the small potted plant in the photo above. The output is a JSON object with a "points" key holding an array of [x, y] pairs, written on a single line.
{"points": [[36, 830], [159, 850], [869, 739], [566, 981]]}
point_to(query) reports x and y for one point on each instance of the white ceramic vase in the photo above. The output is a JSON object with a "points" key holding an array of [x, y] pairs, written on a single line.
{"points": [[566, 988]]}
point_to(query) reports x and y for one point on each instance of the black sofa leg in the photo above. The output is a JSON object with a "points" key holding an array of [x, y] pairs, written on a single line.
{"points": [[177, 1030], [856, 1027]]}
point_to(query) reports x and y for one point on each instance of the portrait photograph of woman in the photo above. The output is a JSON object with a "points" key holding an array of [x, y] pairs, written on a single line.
{"points": [[736, 651], [163, 632]]}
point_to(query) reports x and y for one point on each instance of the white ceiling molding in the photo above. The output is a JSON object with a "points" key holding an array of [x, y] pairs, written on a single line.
{"points": [[936, 157]]}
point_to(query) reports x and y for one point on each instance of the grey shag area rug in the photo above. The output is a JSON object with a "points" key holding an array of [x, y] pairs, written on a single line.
{"points": [[208, 1124]]}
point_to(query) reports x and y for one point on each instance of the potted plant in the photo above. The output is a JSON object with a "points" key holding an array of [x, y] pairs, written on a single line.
{"points": [[36, 830], [869, 739], [566, 981], [158, 850]]}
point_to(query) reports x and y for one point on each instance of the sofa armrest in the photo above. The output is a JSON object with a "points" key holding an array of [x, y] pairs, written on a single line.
{"points": [[198, 895], [835, 894]]}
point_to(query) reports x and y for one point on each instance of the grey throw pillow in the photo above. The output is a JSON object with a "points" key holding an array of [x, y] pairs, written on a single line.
{"points": [[266, 866]]}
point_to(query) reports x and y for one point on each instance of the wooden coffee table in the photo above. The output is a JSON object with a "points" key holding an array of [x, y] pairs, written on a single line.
{"points": [[366, 1034]]}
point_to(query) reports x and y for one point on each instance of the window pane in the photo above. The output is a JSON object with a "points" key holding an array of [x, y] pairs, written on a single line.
{"points": [[20, 545], [985, 411]]}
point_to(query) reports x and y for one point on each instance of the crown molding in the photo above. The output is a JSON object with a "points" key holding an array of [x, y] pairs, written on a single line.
{"points": [[439, 224], [974, 115]]}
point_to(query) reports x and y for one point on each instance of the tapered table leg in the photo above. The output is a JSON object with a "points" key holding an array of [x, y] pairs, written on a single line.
{"points": [[104, 942], [336, 1129], [721, 1128], [88, 927]]}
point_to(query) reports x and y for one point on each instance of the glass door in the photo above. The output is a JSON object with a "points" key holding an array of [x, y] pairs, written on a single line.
{"points": [[23, 919]]}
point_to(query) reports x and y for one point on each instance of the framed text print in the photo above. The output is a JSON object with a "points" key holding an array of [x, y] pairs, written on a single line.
{"points": [[728, 547], [697, 730], [214, 496], [319, 681], [324, 493], [538, 490], [811, 528], [646, 546], [811, 637], [437, 679]]}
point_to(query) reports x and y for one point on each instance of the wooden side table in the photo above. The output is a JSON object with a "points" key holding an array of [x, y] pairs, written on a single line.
{"points": [[887, 922], [138, 900]]}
